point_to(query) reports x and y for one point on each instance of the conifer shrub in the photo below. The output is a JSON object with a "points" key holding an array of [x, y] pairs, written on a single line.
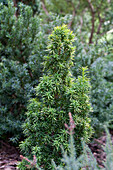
{"points": [[35, 4], [71, 161], [57, 94], [99, 61], [21, 53], [87, 159]]}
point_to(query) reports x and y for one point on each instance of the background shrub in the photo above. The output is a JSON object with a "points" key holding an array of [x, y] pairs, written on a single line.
{"points": [[35, 4], [21, 53], [100, 65]]}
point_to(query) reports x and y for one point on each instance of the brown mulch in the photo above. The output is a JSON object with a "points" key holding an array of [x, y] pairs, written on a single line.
{"points": [[97, 149], [9, 155]]}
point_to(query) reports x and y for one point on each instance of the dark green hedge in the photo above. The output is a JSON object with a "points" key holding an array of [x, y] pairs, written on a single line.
{"points": [[22, 45]]}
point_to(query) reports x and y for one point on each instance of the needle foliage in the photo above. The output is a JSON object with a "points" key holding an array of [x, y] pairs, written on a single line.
{"points": [[57, 94]]}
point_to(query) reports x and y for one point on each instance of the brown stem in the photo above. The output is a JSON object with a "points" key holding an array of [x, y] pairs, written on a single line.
{"points": [[30, 73], [100, 23], [15, 5], [73, 16], [45, 9], [93, 21]]}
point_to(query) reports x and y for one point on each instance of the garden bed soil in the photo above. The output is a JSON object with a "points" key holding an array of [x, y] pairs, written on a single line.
{"points": [[10, 156]]}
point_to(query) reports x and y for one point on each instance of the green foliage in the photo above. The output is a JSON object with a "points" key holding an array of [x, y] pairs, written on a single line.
{"points": [[92, 22], [70, 161], [21, 53], [4, 2], [100, 65], [89, 19], [58, 7], [57, 94], [86, 160], [34, 4]]}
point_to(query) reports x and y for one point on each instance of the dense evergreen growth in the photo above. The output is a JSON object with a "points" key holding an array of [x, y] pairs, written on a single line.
{"points": [[24, 30], [92, 25], [71, 162], [100, 64], [87, 159], [92, 22], [35, 5], [57, 94], [21, 53]]}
